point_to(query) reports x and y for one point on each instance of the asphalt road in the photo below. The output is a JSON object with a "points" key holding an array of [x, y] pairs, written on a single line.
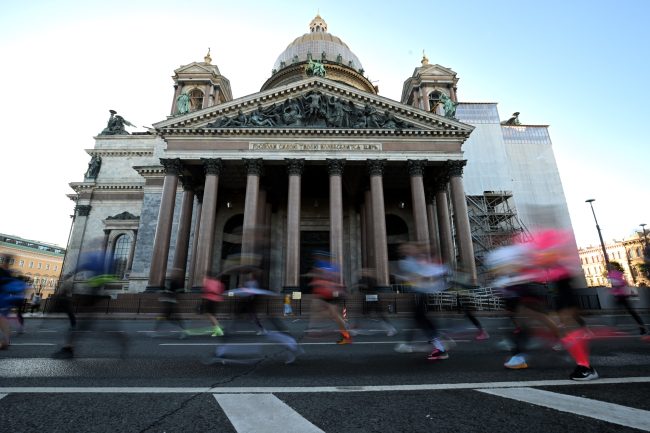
{"points": [[163, 383]]}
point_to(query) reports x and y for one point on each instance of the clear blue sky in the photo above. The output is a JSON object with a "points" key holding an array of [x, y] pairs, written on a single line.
{"points": [[579, 66]]}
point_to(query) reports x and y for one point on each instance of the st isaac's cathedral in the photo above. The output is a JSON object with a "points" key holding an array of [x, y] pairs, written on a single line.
{"points": [[315, 161]]}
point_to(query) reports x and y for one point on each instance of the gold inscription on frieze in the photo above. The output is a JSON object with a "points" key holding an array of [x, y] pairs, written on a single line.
{"points": [[315, 146]]}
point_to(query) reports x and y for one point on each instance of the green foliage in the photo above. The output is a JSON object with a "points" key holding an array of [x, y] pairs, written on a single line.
{"points": [[616, 265]]}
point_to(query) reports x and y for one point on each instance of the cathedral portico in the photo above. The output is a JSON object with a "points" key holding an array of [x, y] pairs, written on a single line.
{"points": [[316, 160]]}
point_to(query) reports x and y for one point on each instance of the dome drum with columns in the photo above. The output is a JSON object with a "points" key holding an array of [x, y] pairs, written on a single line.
{"points": [[341, 64], [311, 162]]}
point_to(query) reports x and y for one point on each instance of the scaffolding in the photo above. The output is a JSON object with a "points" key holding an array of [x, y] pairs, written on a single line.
{"points": [[493, 223]]}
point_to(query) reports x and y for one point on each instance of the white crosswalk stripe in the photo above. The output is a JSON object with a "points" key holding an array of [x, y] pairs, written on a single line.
{"points": [[263, 413], [609, 412]]}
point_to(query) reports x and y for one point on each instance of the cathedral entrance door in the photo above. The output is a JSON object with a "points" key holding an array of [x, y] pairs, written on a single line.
{"points": [[310, 242]]}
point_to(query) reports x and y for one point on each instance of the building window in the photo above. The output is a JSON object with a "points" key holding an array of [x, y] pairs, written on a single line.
{"points": [[56, 267], [47, 267], [12, 261], [434, 100], [121, 255], [40, 265], [21, 263], [31, 265], [196, 100]]}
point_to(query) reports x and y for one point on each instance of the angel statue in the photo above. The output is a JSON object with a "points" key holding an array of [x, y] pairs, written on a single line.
{"points": [[315, 68], [183, 104], [513, 121], [116, 125], [448, 106]]}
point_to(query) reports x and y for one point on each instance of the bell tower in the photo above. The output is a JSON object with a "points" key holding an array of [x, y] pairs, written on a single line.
{"points": [[199, 85], [428, 85]]}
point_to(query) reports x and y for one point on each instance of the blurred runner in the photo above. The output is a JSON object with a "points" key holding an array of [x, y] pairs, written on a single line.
{"points": [[621, 293], [424, 276], [94, 268], [211, 295], [170, 314], [12, 291], [327, 291]]}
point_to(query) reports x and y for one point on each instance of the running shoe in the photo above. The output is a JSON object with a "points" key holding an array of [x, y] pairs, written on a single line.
{"points": [[344, 340], [482, 335], [437, 354], [218, 332], [404, 348], [517, 362], [583, 373]]}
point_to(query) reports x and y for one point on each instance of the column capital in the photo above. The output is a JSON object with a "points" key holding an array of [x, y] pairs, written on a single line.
{"points": [[335, 166], [82, 209], [172, 166], [212, 166], [455, 167], [416, 167], [376, 167], [295, 167], [254, 166]]}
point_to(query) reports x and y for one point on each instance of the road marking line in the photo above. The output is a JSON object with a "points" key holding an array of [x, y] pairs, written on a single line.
{"points": [[609, 412], [316, 389], [263, 413], [2, 396], [32, 344]]}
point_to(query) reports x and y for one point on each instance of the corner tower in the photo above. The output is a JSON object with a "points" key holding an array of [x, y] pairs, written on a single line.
{"points": [[199, 85], [426, 87]]}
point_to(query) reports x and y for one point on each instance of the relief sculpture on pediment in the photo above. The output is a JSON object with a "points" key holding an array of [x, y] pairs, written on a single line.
{"points": [[313, 109]]}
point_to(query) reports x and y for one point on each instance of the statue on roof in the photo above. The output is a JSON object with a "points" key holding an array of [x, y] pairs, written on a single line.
{"points": [[116, 125], [448, 106], [93, 167], [183, 103], [315, 69], [513, 121]]}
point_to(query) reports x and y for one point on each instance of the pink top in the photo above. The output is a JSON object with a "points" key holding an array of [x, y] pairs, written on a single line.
{"points": [[619, 285], [212, 289]]}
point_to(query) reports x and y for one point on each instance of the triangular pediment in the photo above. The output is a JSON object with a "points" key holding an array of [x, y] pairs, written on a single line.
{"points": [[435, 70], [197, 68], [314, 103]]}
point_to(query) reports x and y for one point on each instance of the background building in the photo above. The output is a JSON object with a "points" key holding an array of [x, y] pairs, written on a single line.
{"points": [[317, 160], [39, 261], [627, 252]]}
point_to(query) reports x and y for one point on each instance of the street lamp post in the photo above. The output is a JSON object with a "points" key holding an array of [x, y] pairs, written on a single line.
{"points": [[600, 236], [646, 253]]}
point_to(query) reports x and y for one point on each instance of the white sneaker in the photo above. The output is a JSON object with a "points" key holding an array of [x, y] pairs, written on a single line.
{"points": [[404, 348], [517, 362]]}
